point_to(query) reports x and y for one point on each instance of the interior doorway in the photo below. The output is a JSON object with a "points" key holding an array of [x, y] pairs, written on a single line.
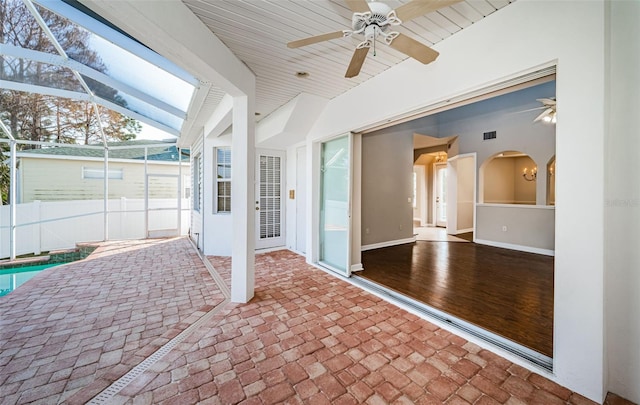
{"points": [[440, 192], [434, 269]]}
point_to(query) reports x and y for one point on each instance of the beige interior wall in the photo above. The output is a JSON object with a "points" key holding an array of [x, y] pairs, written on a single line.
{"points": [[504, 183], [524, 192], [517, 225], [387, 187], [465, 203], [499, 186]]}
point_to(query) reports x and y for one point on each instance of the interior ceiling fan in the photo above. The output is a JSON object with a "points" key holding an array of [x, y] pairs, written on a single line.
{"points": [[376, 20], [549, 113]]}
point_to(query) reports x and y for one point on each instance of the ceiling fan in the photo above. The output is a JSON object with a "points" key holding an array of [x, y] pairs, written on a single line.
{"points": [[549, 113], [375, 20]]}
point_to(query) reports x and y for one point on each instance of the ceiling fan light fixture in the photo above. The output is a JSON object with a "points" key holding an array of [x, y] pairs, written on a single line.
{"points": [[375, 19]]}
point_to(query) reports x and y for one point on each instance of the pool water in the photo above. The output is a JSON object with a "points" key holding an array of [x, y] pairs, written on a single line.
{"points": [[10, 279]]}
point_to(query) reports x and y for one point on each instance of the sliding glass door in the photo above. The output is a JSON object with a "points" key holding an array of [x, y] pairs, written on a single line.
{"points": [[335, 224]]}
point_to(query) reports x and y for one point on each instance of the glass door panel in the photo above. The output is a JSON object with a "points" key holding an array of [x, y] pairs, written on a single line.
{"points": [[334, 205]]}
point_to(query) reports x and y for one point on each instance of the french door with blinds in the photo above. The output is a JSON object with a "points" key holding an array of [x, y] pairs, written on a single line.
{"points": [[269, 199]]}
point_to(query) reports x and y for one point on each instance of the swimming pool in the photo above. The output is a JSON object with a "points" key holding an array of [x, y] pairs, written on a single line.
{"points": [[12, 278]]}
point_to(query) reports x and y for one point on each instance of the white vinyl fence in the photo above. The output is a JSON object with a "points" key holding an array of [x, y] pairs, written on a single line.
{"points": [[53, 225]]}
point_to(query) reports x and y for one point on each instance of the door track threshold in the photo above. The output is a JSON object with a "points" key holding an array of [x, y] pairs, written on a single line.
{"points": [[510, 346]]}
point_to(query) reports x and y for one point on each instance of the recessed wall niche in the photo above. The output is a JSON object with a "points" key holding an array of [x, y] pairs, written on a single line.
{"points": [[510, 177]]}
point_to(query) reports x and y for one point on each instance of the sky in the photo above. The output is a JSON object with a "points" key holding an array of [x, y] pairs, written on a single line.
{"points": [[151, 133], [144, 76]]}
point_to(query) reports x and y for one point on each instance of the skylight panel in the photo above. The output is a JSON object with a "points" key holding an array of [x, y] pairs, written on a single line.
{"points": [[118, 70]]}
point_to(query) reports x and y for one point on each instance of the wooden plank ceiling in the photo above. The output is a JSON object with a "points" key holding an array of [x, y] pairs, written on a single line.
{"points": [[257, 32]]}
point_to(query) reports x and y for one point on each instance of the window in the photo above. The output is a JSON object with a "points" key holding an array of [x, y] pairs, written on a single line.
{"points": [[98, 173], [223, 180], [197, 182]]}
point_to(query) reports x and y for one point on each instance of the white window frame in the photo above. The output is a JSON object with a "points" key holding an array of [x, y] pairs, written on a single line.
{"points": [[93, 173], [223, 167]]}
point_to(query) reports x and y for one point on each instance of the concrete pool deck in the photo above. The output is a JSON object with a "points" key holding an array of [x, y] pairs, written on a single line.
{"points": [[144, 322]]}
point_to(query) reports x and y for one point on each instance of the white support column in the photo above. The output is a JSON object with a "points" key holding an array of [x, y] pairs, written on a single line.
{"points": [[146, 194], [106, 194], [242, 200], [180, 193], [12, 201]]}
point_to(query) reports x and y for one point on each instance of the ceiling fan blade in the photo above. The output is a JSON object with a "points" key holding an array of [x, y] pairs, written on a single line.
{"points": [[358, 6], [543, 114], [413, 48], [417, 8], [547, 101], [356, 62], [530, 109], [315, 39]]}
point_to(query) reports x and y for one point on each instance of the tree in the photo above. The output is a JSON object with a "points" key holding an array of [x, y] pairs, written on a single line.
{"points": [[5, 178], [40, 117], [45, 118]]}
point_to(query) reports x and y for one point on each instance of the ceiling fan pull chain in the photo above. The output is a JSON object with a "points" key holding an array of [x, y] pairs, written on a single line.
{"points": [[374, 43]]}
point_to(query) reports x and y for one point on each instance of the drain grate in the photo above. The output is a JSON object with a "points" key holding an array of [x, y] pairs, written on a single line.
{"points": [[214, 274], [138, 370], [118, 385]]}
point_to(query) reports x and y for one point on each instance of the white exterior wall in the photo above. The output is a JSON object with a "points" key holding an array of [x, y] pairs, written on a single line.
{"points": [[622, 199], [218, 228], [515, 40], [196, 216], [291, 214]]}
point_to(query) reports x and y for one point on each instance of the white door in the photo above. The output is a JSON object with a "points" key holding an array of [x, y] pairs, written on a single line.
{"points": [[269, 199], [162, 215], [301, 200], [441, 194]]}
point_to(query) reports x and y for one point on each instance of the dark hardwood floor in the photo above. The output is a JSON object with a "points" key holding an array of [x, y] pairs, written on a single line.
{"points": [[507, 292]]}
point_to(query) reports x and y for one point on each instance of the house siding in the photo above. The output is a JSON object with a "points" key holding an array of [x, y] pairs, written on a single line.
{"points": [[47, 179]]}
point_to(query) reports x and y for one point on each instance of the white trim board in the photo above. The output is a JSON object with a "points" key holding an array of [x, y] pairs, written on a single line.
{"points": [[467, 230], [357, 267], [522, 248], [388, 244]]}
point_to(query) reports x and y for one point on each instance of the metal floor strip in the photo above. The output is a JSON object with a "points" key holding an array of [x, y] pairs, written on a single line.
{"points": [[523, 352], [118, 385]]}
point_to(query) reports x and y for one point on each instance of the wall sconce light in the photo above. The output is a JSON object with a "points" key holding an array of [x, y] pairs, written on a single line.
{"points": [[530, 175], [440, 157]]}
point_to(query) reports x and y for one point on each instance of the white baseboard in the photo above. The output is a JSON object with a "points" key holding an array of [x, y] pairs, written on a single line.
{"points": [[269, 250], [529, 249], [459, 231], [357, 267], [388, 243]]}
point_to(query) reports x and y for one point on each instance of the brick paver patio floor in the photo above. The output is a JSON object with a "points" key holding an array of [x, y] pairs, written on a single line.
{"points": [[306, 337], [76, 328]]}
